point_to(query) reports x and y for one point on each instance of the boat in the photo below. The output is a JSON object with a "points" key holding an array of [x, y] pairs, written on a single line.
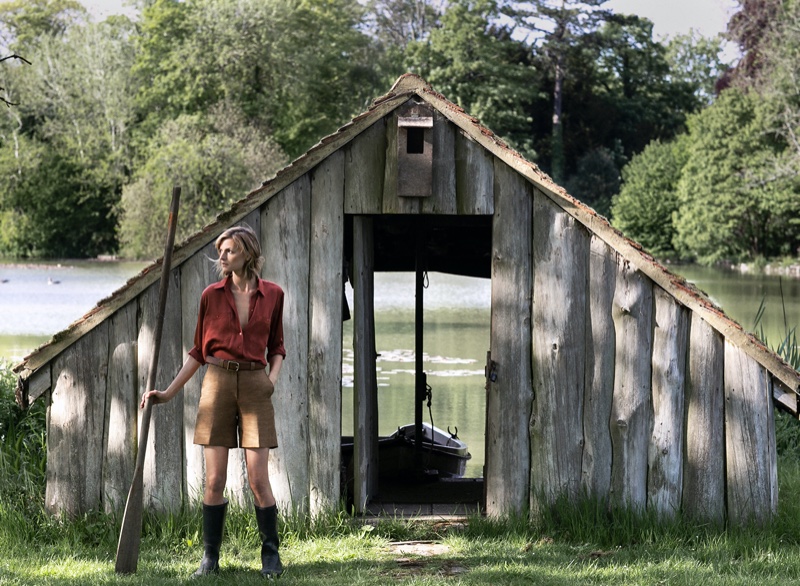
{"points": [[443, 455]]}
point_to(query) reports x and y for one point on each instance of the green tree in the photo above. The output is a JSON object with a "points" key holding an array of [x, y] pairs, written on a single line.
{"points": [[596, 180], [752, 28], [298, 67], [48, 209], [648, 201], [620, 96], [474, 62], [215, 160], [23, 23], [731, 205], [555, 28], [697, 61], [65, 146]]}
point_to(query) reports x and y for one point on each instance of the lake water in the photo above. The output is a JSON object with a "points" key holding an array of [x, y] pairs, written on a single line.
{"points": [[456, 331]]}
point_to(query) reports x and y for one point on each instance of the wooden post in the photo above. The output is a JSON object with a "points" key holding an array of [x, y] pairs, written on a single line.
{"points": [[752, 491], [365, 159], [325, 334], [365, 383], [122, 403], [285, 236], [75, 429], [631, 407], [665, 474], [600, 352], [508, 400], [419, 342], [474, 177], [443, 198], [164, 465], [196, 275], [704, 462], [560, 290]]}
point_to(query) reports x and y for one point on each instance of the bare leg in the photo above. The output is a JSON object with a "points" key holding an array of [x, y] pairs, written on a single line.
{"points": [[216, 474], [257, 460]]}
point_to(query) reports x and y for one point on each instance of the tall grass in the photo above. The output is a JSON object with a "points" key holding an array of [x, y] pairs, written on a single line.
{"points": [[23, 461]]}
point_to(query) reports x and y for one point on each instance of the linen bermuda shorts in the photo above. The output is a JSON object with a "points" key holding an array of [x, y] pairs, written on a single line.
{"points": [[232, 402]]}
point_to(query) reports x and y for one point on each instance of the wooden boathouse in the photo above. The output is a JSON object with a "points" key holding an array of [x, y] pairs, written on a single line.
{"points": [[610, 376]]}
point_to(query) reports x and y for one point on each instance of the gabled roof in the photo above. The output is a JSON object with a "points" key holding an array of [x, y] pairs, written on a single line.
{"points": [[787, 379]]}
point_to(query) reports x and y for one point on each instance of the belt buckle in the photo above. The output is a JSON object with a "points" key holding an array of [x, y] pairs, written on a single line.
{"points": [[230, 364]]}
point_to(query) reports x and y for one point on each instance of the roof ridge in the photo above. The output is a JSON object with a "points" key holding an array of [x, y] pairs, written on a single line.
{"points": [[409, 83]]}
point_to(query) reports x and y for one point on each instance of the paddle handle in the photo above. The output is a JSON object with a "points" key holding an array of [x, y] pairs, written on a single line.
{"points": [[130, 534]]}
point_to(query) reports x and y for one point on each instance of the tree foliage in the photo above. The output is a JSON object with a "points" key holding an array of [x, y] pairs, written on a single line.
{"points": [[648, 201], [730, 207], [216, 94], [737, 196], [299, 67], [477, 65], [556, 28], [215, 160]]}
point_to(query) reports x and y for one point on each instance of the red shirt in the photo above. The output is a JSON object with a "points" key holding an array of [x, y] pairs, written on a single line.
{"points": [[219, 334]]}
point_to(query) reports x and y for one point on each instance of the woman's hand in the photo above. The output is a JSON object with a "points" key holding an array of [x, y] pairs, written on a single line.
{"points": [[156, 397]]}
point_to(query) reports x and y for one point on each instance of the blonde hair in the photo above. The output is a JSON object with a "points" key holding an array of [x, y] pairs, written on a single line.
{"points": [[245, 240]]}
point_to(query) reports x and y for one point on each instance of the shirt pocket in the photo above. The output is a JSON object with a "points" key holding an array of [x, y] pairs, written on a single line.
{"points": [[259, 328]]}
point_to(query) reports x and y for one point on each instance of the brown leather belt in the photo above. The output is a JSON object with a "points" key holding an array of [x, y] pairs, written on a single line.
{"points": [[233, 364]]}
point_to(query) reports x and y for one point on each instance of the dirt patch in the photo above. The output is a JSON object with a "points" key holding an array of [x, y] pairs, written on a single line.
{"points": [[421, 557], [419, 548]]}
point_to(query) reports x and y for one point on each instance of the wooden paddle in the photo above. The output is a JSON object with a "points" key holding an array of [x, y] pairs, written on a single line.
{"points": [[130, 534]]}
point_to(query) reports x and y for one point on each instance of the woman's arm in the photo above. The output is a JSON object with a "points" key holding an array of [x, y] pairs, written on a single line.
{"points": [[186, 372], [275, 363]]}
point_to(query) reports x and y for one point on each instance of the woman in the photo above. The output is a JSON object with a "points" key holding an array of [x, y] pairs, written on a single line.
{"points": [[239, 335]]}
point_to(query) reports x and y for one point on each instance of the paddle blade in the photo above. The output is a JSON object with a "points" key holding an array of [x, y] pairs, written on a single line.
{"points": [[130, 534]]}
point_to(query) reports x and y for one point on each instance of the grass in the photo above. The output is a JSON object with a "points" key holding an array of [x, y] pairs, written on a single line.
{"points": [[566, 548], [571, 544]]}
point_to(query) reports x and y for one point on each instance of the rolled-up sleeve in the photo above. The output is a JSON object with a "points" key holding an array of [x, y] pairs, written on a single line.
{"points": [[275, 341]]}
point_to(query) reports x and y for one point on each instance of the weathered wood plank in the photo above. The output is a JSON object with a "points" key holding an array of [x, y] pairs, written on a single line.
{"points": [[631, 406], [560, 285], [704, 462], [122, 406], [365, 158], [665, 473], [393, 203], [38, 384], [751, 461], [508, 401], [443, 197], [285, 229], [196, 274], [474, 177], [325, 335], [76, 426], [365, 382], [600, 354], [164, 464]]}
